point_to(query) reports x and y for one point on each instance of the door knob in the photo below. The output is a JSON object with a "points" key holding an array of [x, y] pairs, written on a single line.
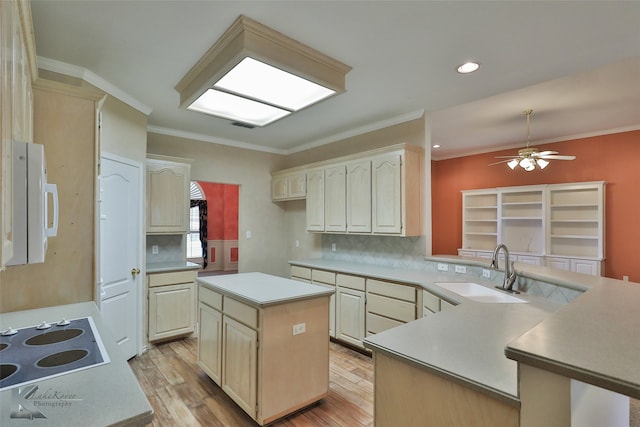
{"points": [[135, 271]]}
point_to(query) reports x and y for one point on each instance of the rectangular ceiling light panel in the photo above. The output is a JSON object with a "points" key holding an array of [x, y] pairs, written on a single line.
{"points": [[276, 79], [263, 82], [237, 108]]}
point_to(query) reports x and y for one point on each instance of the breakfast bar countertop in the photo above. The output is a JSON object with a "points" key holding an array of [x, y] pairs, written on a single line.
{"points": [[104, 395], [593, 338]]}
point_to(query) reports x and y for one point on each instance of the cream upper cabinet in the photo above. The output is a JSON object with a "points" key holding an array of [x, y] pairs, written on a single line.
{"points": [[387, 194], [288, 186], [359, 197], [335, 199], [17, 71], [315, 200], [375, 192], [168, 196]]}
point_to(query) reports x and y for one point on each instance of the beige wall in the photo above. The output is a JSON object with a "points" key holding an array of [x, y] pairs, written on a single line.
{"points": [[251, 170], [123, 131], [64, 122]]}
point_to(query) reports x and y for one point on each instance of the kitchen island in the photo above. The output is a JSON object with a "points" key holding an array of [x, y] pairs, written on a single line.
{"points": [[265, 341], [106, 394]]}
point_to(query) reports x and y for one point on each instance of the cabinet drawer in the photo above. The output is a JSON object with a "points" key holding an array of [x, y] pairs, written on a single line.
{"points": [[377, 324], [431, 301], [321, 276], [300, 272], [241, 312], [392, 308], [211, 298], [393, 290], [161, 279], [352, 282]]}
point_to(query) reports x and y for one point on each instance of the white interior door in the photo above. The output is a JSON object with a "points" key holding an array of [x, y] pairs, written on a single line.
{"points": [[120, 250]]}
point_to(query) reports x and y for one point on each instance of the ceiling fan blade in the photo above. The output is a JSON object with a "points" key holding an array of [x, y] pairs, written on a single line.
{"points": [[507, 157], [502, 161], [544, 153], [552, 157]]}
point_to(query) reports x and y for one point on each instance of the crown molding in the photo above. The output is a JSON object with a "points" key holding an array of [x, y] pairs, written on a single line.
{"points": [[214, 140], [94, 79]]}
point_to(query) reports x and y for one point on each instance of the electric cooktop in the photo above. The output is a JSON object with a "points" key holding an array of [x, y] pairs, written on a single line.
{"points": [[47, 350]]}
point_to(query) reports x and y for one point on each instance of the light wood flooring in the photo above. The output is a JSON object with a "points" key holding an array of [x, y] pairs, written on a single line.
{"points": [[181, 394]]}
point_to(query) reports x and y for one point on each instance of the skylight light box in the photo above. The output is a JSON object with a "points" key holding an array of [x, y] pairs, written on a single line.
{"points": [[256, 75]]}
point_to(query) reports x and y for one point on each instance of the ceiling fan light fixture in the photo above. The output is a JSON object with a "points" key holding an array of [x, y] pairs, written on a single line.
{"points": [[542, 163], [513, 163]]}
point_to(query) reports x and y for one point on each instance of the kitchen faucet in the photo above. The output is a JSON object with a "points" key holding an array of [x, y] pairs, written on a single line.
{"points": [[509, 269]]}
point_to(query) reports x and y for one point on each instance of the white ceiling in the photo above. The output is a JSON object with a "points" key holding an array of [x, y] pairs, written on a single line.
{"points": [[576, 64]]}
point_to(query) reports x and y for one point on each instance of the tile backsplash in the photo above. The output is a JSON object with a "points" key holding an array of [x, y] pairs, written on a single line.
{"points": [[388, 251], [171, 248]]}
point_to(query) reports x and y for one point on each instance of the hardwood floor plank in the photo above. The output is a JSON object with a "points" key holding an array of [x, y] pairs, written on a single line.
{"points": [[181, 394]]}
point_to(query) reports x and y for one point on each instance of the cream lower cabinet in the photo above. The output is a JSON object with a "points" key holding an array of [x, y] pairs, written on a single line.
{"points": [[432, 304], [172, 298], [252, 354], [350, 309], [389, 305], [239, 363], [210, 340]]}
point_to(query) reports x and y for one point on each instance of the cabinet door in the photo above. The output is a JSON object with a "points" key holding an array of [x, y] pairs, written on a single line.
{"points": [[359, 197], [585, 266], [210, 342], [350, 312], [297, 185], [279, 187], [315, 200], [167, 197], [335, 206], [171, 310], [239, 364], [387, 194]]}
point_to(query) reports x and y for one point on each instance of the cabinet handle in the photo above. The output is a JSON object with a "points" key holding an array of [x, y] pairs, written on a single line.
{"points": [[135, 271]]}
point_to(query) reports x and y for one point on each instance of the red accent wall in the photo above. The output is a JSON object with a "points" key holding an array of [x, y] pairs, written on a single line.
{"points": [[222, 209], [612, 158]]}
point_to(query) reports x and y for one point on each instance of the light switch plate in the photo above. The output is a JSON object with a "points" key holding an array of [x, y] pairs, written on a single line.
{"points": [[443, 267], [486, 273], [154, 250]]}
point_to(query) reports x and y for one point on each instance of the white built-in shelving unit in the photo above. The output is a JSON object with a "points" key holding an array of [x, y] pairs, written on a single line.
{"points": [[558, 225]]}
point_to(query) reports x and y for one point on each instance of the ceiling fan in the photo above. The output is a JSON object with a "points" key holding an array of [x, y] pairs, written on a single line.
{"points": [[530, 157]]}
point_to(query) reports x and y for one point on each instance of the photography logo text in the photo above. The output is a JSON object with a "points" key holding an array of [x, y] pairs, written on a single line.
{"points": [[29, 402]]}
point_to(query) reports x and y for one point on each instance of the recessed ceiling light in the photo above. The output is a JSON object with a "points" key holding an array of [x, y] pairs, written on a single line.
{"points": [[436, 146], [468, 67]]}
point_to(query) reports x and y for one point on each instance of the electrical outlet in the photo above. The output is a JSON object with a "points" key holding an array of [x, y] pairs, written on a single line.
{"points": [[248, 234], [486, 273], [443, 267], [154, 250], [299, 328], [461, 269], [625, 278], [297, 243], [333, 247]]}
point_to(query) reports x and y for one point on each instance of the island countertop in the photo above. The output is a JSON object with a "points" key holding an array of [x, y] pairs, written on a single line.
{"points": [[260, 289], [105, 395]]}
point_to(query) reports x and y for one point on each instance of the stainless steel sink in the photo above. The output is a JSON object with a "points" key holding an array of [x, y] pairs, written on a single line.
{"points": [[479, 293]]}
